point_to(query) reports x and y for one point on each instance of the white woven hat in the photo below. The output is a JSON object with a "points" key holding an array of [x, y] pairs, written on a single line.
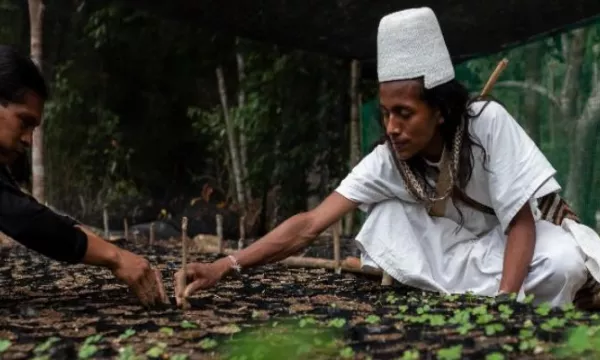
{"points": [[410, 44]]}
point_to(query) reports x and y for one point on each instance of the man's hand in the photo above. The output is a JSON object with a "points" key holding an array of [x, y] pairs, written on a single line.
{"points": [[199, 276], [145, 282]]}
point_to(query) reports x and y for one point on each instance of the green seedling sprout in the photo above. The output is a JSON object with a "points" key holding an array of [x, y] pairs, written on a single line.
{"points": [[495, 356], [451, 353], [167, 331], [157, 350], [410, 355], [4, 345], [188, 325], [208, 343], [337, 323], [126, 335], [373, 319], [89, 348]]}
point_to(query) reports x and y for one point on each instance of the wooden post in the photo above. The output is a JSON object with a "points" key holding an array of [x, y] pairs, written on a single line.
{"points": [[242, 232], [152, 233], [220, 232], [105, 220], [386, 279], [184, 223], [126, 229], [336, 247]]}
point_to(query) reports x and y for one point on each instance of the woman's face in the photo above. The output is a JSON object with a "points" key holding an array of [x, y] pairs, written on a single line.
{"points": [[410, 123]]}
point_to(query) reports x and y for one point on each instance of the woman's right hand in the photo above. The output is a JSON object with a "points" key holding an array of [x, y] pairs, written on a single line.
{"points": [[199, 276]]}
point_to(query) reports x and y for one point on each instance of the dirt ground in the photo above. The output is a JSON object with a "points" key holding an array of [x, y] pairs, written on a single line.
{"points": [[52, 311]]}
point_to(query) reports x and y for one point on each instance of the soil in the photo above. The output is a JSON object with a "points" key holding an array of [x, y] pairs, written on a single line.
{"points": [[51, 309]]}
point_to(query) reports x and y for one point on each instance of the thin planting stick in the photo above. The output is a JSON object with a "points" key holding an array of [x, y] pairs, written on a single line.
{"points": [[151, 234], [105, 219], [126, 227], [336, 248], [347, 265], [242, 232], [183, 279], [386, 279], [220, 232]]}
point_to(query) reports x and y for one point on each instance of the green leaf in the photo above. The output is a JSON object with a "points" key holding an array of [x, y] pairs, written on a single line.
{"points": [[208, 343], [4, 345], [188, 325], [167, 331]]}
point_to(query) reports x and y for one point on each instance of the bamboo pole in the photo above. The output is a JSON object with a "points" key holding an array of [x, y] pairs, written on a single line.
{"points": [[336, 248], [152, 234], [220, 233], [183, 279], [105, 221], [386, 279], [242, 232], [348, 265], [126, 229]]}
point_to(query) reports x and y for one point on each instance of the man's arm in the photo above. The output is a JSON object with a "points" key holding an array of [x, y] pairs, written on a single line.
{"points": [[519, 251], [61, 238]]}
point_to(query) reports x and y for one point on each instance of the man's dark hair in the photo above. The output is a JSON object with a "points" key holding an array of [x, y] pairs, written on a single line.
{"points": [[18, 74]]}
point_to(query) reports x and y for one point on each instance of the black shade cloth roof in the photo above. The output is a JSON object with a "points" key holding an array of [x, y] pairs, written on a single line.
{"points": [[348, 28]]}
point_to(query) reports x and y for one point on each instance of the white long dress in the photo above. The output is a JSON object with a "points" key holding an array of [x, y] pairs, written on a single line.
{"points": [[436, 253]]}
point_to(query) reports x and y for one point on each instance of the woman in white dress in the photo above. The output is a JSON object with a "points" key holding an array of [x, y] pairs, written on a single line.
{"points": [[459, 198]]}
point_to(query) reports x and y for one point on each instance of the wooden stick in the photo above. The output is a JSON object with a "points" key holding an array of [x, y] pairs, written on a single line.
{"points": [[105, 220], [220, 233], [336, 248], [348, 265], [151, 233], [242, 232], [126, 227], [183, 281], [494, 77], [386, 279]]}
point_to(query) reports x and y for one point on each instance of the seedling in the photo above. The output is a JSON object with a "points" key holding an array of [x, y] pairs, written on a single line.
{"points": [[495, 356], [451, 353], [126, 335], [347, 353], [410, 355], [544, 309], [373, 319], [4, 345], [207, 344], [167, 331], [157, 350], [89, 348], [188, 325], [492, 329], [337, 323]]}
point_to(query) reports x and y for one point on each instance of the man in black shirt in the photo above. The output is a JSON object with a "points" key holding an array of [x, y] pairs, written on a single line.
{"points": [[22, 96]]}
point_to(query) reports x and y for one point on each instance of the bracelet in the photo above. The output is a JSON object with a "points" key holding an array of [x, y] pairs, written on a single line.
{"points": [[236, 266]]}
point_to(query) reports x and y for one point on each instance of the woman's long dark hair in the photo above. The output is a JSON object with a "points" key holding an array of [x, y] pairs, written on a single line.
{"points": [[453, 101]]}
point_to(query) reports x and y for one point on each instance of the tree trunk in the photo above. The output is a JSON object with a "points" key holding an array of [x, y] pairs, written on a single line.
{"points": [[582, 146], [36, 11], [533, 66], [231, 137], [576, 127], [243, 138], [354, 133]]}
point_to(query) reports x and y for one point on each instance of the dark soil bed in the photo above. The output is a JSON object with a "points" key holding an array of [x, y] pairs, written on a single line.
{"points": [[48, 310]]}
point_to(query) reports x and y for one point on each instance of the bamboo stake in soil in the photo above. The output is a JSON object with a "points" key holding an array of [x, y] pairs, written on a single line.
{"points": [[242, 232], [126, 227], [105, 220], [336, 248], [220, 233], [183, 281], [151, 233], [348, 265], [386, 279]]}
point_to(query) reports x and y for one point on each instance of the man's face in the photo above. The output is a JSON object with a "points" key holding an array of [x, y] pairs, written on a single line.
{"points": [[17, 122]]}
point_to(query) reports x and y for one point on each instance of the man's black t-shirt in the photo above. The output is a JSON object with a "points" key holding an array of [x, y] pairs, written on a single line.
{"points": [[36, 226]]}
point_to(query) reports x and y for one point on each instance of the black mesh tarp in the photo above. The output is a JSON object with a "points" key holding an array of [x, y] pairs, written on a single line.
{"points": [[347, 28]]}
